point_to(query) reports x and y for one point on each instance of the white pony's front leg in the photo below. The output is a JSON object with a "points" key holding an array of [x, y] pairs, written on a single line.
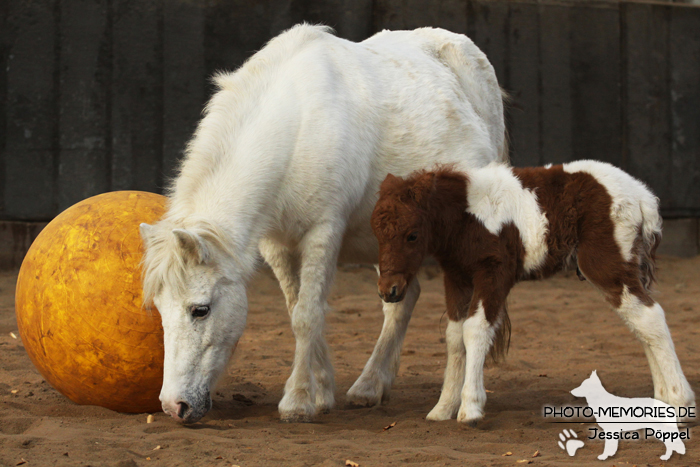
{"points": [[373, 385], [449, 402], [478, 337], [311, 385]]}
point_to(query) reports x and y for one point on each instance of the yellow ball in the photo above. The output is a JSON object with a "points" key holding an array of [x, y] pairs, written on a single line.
{"points": [[79, 304]]}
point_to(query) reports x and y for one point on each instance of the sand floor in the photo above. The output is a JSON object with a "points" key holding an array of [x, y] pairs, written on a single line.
{"points": [[562, 330]]}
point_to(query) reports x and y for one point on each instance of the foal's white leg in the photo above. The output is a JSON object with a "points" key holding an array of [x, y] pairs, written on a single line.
{"points": [[649, 325], [311, 384], [449, 402], [478, 337], [373, 385]]}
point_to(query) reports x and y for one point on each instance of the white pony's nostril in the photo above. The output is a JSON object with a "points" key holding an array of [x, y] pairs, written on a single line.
{"points": [[182, 409]]}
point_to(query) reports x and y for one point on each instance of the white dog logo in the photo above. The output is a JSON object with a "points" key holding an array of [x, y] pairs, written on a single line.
{"points": [[616, 415]]}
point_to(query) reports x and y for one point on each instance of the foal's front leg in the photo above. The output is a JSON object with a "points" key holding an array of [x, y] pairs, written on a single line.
{"points": [[311, 385], [478, 335], [449, 402]]}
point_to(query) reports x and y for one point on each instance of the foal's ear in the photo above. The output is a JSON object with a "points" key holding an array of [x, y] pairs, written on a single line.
{"points": [[389, 181], [191, 244], [423, 188]]}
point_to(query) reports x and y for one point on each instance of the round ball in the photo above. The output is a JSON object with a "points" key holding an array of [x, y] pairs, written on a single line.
{"points": [[79, 304]]}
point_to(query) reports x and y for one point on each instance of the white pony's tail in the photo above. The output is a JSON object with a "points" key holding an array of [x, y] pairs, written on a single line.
{"points": [[505, 149]]}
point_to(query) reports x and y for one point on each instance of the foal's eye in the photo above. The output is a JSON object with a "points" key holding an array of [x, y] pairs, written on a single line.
{"points": [[412, 237], [199, 311]]}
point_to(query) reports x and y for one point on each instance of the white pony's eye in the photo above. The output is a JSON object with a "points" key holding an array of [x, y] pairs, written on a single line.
{"points": [[200, 311]]}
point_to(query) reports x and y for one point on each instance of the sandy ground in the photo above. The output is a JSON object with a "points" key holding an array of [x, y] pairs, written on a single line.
{"points": [[562, 330]]}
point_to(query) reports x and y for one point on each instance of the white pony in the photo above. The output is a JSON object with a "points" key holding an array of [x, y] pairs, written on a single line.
{"points": [[286, 163]]}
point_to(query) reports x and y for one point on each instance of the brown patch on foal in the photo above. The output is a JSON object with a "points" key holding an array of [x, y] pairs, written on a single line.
{"points": [[578, 209]]}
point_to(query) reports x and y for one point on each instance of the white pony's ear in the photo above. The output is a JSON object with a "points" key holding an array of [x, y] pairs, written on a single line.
{"points": [[145, 231], [594, 375], [191, 244]]}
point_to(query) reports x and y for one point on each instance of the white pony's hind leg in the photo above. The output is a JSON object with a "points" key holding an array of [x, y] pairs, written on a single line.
{"points": [[449, 402], [649, 325], [285, 265], [312, 379], [373, 385]]}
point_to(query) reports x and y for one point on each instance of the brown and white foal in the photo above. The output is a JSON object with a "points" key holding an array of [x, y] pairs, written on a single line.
{"points": [[495, 226]]}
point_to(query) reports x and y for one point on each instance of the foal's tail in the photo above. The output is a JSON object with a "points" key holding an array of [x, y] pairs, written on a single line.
{"points": [[501, 341], [650, 235]]}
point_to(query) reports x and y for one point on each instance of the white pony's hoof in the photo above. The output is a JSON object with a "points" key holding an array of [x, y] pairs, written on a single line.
{"points": [[368, 393], [325, 401], [296, 407], [440, 413], [470, 415]]}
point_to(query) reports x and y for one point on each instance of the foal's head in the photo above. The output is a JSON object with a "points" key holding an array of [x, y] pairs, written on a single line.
{"points": [[401, 223]]}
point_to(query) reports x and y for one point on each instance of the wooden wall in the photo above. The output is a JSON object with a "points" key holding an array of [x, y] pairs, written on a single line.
{"points": [[100, 95]]}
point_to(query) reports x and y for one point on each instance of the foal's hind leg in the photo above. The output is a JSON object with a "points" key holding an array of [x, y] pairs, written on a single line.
{"points": [[373, 385], [622, 287]]}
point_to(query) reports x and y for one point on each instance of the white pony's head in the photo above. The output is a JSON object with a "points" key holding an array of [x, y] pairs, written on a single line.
{"points": [[191, 276]]}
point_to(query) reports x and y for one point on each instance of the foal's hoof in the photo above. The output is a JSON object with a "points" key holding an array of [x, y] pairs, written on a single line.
{"points": [[470, 417]]}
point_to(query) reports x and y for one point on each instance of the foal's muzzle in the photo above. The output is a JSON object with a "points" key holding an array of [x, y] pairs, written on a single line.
{"points": [[392, 289]]}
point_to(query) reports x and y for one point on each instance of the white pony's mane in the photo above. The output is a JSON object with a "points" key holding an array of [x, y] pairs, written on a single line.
{"points": [[194, 189], [237, 98]]}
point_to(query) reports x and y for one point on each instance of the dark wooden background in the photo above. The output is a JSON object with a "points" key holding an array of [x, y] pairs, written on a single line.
{"points": [[100, 95]]}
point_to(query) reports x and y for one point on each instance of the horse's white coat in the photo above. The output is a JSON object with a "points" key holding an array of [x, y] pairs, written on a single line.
{"points": [[287, 162], [496, 197]]}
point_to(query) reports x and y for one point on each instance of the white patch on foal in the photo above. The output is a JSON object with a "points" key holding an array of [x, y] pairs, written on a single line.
{"points": [[496, 197], [478, 336]]}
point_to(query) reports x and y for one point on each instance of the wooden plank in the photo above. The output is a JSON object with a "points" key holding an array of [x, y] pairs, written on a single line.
{"points": [[488, 28], [647, 96], [411, 14], [184, 78], [4, 55], [595, 78], [85, 78], [137, 96], [555, 75], [524, 83], [32, 112], [685, 111]]}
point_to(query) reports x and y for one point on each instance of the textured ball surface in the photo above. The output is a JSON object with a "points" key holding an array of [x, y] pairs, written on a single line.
{"points": [[79, 304]]}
